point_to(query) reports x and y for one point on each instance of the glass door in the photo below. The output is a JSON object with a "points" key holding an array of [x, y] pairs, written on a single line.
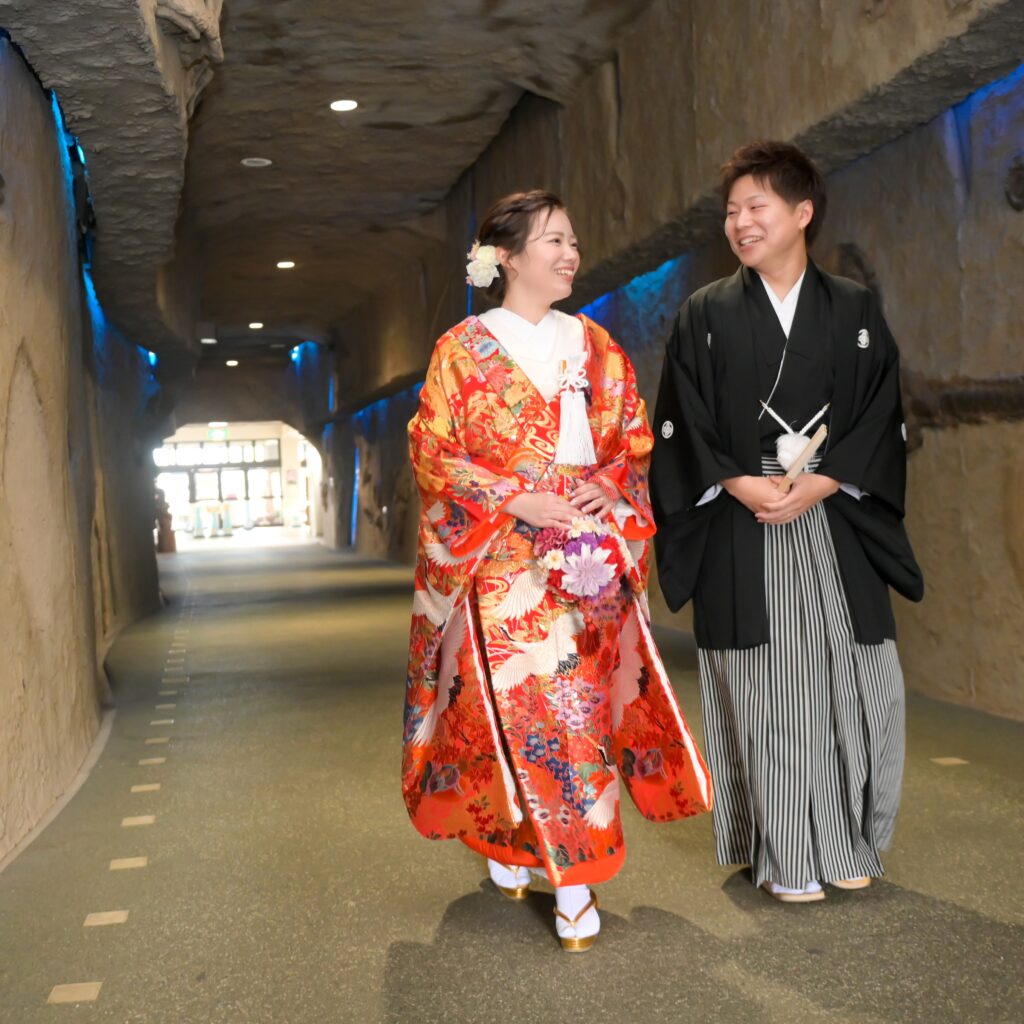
{"points": [[206, 511], [266, 503], [176, 493], [232, 489]]}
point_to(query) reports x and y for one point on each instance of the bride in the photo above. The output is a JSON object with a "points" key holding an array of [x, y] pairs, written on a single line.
{"points": [[535, 691]]}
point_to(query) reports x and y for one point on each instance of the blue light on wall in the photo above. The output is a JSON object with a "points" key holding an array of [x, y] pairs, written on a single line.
{"points": [[1008, 84], [304, 350], [469, 287], [65, 157], [643, 291], [152, 357], [364, 419], [96, 313], [370, 425], [354, 520]]}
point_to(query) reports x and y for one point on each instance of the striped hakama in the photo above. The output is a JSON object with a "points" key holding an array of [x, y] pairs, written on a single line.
{"points": [[805, 734]]}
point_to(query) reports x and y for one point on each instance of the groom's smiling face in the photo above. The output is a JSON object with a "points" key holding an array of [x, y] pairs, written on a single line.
{"points": [[764, 229]]}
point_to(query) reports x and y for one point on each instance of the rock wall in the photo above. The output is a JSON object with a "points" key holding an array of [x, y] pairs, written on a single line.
{"points": [[636, 148], [129, 75], [75, 502], [124, 404], [930, 222], [367, 453]]}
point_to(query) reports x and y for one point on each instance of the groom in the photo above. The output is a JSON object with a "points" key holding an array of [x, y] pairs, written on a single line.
{"points": [[800, 680]]}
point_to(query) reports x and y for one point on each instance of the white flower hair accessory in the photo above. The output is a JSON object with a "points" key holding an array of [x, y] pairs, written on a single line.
{"points": [[482, 268]]}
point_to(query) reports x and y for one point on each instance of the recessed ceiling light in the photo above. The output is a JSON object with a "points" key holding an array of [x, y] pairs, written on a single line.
{"points": [[344, 105], [285, 264], [231, 362], [255, 325], [208, 341], [256, 161], [217, 423]]}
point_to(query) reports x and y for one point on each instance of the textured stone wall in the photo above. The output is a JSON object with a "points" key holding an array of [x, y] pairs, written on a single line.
{"points": [[387, 510], [129, 75], [635, 149], [927, 221], [75, 504], [124, 415]]}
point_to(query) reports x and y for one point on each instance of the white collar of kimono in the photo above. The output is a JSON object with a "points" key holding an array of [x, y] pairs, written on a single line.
{"points": [[553, 355], [538, 339], [785, 309], [556, 337], [539, 350]]}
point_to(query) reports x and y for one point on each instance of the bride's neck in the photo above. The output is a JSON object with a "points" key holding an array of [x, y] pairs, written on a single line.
{"points": [[529, 308]]}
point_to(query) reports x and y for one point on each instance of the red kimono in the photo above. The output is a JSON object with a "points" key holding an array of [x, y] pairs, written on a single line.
{"points": [[525, 710]]}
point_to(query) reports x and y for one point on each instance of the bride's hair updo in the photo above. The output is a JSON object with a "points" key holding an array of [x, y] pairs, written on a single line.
{"points": [[508, 224]]}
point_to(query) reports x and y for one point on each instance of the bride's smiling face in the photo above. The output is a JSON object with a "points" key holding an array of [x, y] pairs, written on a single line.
{"points": [[550, 260]]}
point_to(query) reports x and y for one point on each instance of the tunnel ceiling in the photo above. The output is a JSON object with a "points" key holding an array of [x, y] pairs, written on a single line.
{"points": [[348, 194]]}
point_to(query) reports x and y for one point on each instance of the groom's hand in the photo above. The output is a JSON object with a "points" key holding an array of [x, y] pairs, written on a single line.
{"points": [[807, 490], [753, 491]]}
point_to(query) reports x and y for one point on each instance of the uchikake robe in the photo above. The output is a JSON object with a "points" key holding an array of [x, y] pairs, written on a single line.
{"points": [[526, 714]]}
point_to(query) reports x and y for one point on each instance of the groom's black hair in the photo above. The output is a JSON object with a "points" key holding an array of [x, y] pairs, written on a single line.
{"points": [[786, 169]]}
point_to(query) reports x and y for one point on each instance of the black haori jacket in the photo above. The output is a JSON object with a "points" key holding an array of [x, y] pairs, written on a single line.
{"points": [[706, 430]]}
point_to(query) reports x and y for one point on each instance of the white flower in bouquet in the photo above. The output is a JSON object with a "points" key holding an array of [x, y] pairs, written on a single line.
{"points": [[586, 524], [553, 560]]}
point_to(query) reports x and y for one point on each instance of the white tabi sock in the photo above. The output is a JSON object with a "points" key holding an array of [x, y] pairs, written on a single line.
{"points": [[508, 876], [811, 886], [571, 899]]}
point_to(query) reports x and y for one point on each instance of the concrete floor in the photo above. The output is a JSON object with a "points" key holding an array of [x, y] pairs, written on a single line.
{"points": [[284, 883]]}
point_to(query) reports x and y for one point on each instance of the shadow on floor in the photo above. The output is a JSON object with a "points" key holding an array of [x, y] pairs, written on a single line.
{"points": [[878, 956]]}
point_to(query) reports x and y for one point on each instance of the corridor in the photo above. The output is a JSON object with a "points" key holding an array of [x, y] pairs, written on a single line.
{"points": [[252, 764]]}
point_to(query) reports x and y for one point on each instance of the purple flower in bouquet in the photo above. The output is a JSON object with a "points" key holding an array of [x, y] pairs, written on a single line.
{"points": [[587, 572], [576, 544]]}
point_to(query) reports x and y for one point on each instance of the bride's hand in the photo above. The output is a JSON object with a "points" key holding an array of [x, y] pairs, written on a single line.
{"points": [[542, 510], [591, 498]]}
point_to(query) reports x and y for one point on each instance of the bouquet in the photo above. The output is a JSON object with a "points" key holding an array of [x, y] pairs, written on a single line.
{"points": [[585, 562]]}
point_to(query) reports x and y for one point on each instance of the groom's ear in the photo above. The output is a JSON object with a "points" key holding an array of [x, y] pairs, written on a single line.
{"points": [[805, 210]]}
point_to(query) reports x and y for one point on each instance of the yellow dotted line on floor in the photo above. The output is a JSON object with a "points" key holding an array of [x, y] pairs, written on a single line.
{"points": [[89, 991]]}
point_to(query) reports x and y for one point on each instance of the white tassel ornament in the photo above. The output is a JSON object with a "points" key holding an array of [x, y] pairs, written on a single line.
{"points": [[575, 441], [790, 446]]}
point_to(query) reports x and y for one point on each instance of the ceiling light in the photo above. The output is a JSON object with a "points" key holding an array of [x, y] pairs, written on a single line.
{"points": [[285, 264], [255, 325], [217, 423], [344, 105], [256, 161], [231, 362], [208, 341]]}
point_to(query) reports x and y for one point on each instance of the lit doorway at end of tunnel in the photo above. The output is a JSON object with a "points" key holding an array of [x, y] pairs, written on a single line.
{"points": [[240, 484]]}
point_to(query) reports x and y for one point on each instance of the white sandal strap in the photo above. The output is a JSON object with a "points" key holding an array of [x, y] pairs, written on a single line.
{"points": [[573, 921]]}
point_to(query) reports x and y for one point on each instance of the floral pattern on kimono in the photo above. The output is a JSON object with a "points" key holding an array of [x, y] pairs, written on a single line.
{"points": [[527, 713]]}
